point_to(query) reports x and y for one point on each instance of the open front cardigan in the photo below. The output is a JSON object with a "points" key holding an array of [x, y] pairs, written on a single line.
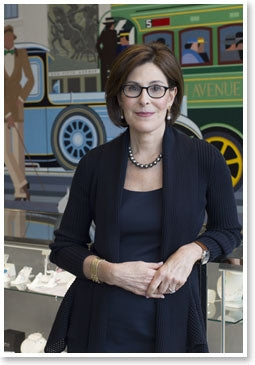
{"points": [[196, 181]]}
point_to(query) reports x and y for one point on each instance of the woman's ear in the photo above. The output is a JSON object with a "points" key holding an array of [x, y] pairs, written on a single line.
{"points": [[119, 100], [172, 94]]}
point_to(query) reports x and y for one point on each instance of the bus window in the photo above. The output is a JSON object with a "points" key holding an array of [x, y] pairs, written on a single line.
{"points": [[195, 47], [164, 37], [37, 91], [73, 85], [57, 86], [230, 43], [90, 84]]}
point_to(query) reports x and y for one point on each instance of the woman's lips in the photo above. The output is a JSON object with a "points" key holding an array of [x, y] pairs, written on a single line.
{"points": [[144, 114]]}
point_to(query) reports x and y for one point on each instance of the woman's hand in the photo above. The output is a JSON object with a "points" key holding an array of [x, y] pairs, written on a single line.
{"points": [[173, 274], [135, 276]]}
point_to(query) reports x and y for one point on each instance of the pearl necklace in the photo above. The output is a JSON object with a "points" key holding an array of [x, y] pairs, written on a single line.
{"points": [[140, 165]]}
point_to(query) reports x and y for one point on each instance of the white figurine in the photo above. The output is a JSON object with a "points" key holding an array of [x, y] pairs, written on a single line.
{"points": [[34, 343]]}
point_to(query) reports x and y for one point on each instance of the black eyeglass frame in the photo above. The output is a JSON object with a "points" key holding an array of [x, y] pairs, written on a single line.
{"points": [[147, 89]]}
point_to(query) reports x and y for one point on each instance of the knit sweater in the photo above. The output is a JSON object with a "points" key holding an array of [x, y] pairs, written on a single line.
{"points": [[196, 181]]}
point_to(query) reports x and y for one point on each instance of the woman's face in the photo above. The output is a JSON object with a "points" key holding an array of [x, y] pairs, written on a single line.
{"points": [[145, 114]]}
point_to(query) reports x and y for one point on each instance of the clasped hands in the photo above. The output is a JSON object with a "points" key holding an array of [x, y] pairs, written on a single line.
{"points": [[152, 280]]}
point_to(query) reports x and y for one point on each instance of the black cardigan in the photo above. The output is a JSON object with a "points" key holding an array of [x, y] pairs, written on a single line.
{"points": [[195, 180]]}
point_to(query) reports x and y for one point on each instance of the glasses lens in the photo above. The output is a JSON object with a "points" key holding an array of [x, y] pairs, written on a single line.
{"points": [[156, 91], [132, 90]]}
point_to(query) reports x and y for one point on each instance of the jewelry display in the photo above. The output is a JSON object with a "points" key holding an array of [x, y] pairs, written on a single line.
{"points": [[7, 279], [53, 282], [9, 272], [211, 307], [140, 165], [23, 278], [233, 289], [34, 343]]}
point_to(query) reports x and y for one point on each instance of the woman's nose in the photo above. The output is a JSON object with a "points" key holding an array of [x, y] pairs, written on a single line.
{"points": [[144, 97]]}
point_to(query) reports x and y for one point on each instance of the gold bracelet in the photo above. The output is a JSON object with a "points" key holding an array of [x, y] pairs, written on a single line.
{"points": [[93, 269]]}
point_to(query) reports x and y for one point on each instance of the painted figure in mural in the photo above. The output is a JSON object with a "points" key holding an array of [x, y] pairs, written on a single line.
{"points": [[123, 41], [16, 62], [235, 43], [148, 192], [107, 48], [195, 51]]}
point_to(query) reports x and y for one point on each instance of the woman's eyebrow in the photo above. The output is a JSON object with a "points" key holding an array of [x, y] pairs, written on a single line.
{"points": [[151, 82]]}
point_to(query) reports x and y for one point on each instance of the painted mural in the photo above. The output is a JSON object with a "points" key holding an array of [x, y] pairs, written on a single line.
{"points": [[65, 112], [72, 36], [16, 63]]}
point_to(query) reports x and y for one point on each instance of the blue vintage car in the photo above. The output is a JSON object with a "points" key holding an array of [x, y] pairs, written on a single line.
{"points": [[59, 128]]}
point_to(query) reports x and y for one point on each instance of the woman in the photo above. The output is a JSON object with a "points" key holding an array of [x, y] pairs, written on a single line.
{"points": [[137, 289]]}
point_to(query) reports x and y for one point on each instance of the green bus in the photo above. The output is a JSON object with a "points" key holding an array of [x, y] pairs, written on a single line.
{"points": [[208, 41]]}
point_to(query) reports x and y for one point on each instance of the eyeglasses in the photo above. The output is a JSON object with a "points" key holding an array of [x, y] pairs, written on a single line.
{"points": [[154, 91]]}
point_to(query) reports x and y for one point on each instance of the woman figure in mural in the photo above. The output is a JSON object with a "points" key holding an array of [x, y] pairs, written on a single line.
{"points": [[15, 62], [137, 286], [107, 49]]}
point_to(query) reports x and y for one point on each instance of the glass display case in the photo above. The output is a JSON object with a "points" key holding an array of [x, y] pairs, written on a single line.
{"points": [[225, 293], [26, 253], [34, 287]]}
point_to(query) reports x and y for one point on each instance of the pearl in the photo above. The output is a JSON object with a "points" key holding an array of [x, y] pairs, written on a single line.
{"points": [[143, 166]]}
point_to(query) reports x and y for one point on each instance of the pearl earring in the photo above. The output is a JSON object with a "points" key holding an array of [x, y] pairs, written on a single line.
{"points": [[168, 116], [122, 116]]}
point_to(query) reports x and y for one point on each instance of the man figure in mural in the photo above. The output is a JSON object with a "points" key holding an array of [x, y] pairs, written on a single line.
{"points": [[16, 62], [107, 48], [123, 41], [195, 51], [235, 43]]}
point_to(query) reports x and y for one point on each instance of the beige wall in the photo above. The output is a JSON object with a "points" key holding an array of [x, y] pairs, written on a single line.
{"points": [[32, 24]]}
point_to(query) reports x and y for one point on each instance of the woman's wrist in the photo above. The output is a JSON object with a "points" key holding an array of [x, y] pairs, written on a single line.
{"points": [[197, 250], [98, 270], [106, 272], [194, 251], [87, 264], [94, 265]]}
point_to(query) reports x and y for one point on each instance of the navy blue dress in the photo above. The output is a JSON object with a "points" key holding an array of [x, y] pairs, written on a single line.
{"points": [[132, 318]]}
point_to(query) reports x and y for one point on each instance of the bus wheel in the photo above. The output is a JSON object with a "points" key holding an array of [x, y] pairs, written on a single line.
{"points": [[76, 130], [232, 151]]}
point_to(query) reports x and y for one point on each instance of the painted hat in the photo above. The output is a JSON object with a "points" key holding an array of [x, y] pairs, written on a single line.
{"points": [[109, 21], [197, 40], [9, 28], [123, 33], [201, 40]]}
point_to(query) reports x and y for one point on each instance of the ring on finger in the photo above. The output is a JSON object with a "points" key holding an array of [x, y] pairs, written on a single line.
{"points": [[170, 291]]}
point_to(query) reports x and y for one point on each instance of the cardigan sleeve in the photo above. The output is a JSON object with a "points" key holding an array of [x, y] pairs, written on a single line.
{"points": [[223, 231], [69, 248]]}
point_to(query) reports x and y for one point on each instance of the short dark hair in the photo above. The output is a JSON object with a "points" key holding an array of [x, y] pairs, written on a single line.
{"points": [[137, 55]]}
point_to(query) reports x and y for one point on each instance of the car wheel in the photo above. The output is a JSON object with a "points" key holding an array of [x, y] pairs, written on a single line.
{"points": [[76, 130], [231, 149]]}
